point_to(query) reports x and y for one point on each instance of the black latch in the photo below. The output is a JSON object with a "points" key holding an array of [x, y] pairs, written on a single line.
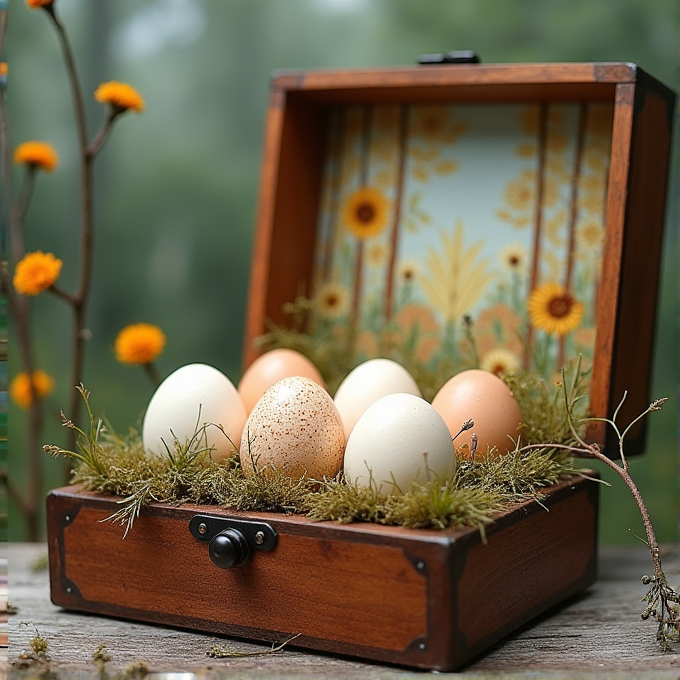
{"points": [[230, 541], [454, 57]]}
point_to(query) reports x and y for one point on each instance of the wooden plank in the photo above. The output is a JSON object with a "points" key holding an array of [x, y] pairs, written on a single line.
{"points": [[599, 632]]}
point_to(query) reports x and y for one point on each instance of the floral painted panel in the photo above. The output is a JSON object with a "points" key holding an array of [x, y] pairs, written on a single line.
{"points": [[464, 234]]}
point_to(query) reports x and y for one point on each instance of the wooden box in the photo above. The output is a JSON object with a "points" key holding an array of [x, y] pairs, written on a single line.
{"points": [[565, 163], [571, 160], [426, 599]]}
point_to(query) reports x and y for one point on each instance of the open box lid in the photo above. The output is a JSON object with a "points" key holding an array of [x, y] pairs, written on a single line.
{"points": [[415, 197]]}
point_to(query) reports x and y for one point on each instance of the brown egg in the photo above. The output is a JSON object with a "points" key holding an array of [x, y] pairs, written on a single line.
{"points": [[294, 428], [271, 367], [488, 401]]}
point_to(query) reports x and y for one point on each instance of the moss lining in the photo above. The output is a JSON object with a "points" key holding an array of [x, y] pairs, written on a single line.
{"points": [[112, 464]]}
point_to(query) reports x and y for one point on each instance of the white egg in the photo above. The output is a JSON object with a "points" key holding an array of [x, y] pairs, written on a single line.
{"points": [[400, 439], [367, 383], [194, 398]]}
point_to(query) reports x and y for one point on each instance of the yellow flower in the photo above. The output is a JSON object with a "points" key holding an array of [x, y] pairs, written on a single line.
{"points": [[514, 257], [20, 387], [590, 236], [36, 4], [434, 124], [377, 254], [332, 300], [120, 96], [407, 270], [36, 272], [139, 343], [520, 193], [500, 361], [365, 212], [37, 155], [554, 310]]}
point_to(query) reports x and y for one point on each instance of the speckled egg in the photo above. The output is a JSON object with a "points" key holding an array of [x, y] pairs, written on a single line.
{"points": [[294, 428]]}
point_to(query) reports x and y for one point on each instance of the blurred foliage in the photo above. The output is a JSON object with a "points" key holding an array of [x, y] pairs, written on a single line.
{"points": [[176, 188]]}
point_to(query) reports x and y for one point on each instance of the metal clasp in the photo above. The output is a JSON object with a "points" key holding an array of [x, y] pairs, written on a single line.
{"points": [[230, 541]]}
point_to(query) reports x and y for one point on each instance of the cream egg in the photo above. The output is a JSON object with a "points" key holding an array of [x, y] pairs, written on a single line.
{"points": [[271, 367], [195, 398], [484, 398], [400, 439], [296, 429], [367, 383]]}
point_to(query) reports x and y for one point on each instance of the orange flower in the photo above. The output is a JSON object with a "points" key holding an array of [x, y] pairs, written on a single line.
{"points": [[36, 4], [139, 343], [120, 96], [554, 310], [36, 272], [498, 326], [37, 155], [419, 331], [20, 387]]}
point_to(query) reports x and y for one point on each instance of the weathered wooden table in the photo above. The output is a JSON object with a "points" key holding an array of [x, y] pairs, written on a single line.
{"points": [[597, 634]]}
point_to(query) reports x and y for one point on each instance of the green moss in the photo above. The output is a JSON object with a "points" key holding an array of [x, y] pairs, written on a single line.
{"points": [[39, 646], [108, 463]]}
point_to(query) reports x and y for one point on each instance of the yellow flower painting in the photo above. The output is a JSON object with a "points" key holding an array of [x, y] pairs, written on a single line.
{"points": [[366, 212], [554, 310], [488, 219]]}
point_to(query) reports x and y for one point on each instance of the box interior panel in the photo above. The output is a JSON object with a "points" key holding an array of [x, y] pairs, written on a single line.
{"points": [[430, 214]]}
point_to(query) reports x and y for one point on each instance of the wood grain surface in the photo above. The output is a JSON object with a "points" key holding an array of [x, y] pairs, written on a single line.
{"points": [[598, 634]]}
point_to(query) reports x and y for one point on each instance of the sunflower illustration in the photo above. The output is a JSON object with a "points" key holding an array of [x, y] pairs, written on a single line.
{"points": [[554, 309], [500, 361], [407, 270], [514, 258], [377, 254], [365, 212], [332, 300]]}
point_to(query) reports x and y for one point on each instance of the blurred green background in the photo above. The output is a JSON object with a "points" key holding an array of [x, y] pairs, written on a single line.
{"points": [[176, 187]]}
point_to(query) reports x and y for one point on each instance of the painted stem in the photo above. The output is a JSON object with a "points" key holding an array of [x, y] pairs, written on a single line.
{"points": [[538, 217], [573, 214], [394, 243]]}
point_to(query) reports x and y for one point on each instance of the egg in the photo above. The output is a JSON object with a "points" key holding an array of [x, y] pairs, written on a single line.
{"points": [[271, 367], [367, 383], [189, 398], [400, 439], [296, 429], [483, 397]]}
